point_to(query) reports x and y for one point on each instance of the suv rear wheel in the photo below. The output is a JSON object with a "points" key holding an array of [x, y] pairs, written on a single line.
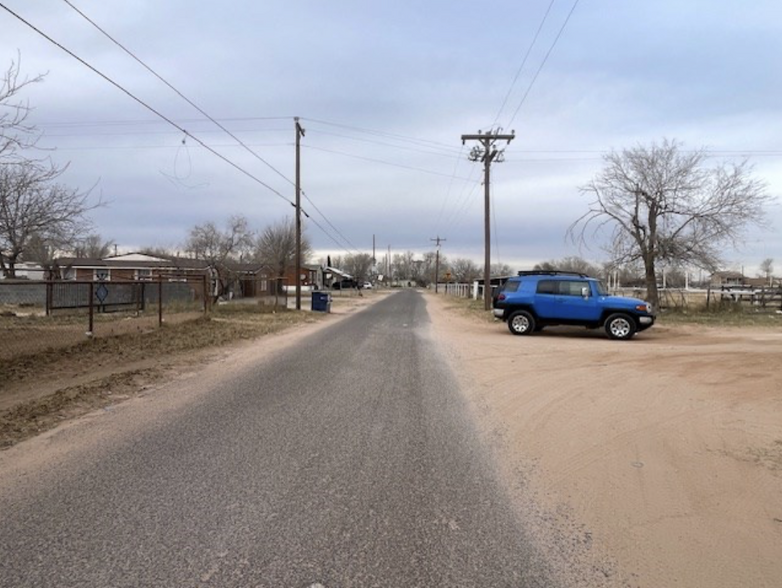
{"points": [[521, 322], [620, 326]]}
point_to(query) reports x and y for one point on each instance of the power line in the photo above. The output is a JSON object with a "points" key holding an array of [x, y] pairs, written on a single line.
{"points": [[144, 104], [496, 232], [345, 239], [395, 136], [216, 122], [151, 121], [545, 59], [178, 93], [125, 133], [463, 204], [370, 159], [443, 152], [313, 221], [171, 122], [450, 186], [523, 62]]}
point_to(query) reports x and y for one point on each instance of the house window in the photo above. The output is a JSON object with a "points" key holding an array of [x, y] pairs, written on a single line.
{"points": [[102, 275], [144, 274]]}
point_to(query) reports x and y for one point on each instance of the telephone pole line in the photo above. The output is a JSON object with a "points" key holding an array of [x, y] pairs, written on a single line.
{"points": [[487, 152], [299, 135], [437, 262]]}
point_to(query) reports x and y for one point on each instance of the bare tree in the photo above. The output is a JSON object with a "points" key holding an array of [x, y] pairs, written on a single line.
{"points": [[465, 270], [570, 264], [15, 133], [159, 251], [660, 204], [767, 269], [403, 265], [217, 247], [93, 246], [276, 247], [499, 270], [33, 204], [358, 265]]}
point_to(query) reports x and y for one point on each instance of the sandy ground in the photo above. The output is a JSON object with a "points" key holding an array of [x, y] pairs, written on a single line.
{"points": [[653, 463], [663, 454]]}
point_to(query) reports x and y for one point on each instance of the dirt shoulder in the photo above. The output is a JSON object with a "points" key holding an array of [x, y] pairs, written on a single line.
{"points": [[40, 390], [663, 453]]}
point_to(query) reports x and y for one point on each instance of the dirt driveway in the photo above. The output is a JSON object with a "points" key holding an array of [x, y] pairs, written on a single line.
{"points": [[664, 451]]}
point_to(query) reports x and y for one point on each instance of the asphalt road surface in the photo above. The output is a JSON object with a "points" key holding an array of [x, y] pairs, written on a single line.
{"points": [[351, 460]]}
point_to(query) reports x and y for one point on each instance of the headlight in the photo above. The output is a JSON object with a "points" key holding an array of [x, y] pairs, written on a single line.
{"points": [[644, 308]]}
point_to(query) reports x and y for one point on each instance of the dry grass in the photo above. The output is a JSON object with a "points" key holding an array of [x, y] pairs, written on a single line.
{"points": [[123, 353], [468, 307], [732, 315]]}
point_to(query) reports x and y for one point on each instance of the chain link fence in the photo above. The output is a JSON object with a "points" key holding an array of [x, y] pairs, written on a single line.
{"points": [[37, 316]]}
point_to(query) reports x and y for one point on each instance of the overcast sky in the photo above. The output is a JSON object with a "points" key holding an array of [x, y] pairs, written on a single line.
{"points": [[384, 91]]}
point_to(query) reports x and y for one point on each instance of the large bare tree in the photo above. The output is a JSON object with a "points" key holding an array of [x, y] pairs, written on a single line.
{"points": [[661, 204], [767, 269], [217, 246], [570, 264], [276, 247], [358, 265], [465, 270], [93, 246], [34, 208], [15, 133]]}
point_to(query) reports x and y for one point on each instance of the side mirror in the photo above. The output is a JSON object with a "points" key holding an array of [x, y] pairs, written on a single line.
{"points": [[585, 292]]}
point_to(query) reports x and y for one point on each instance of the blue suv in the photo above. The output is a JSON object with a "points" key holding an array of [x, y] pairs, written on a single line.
{"points": [[537, 299]]}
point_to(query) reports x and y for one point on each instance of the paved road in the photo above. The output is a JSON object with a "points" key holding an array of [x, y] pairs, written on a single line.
{"points": [[350, 461]]}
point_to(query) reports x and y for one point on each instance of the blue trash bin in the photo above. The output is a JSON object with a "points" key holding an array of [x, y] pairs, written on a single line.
{"points": [[321, 302]]}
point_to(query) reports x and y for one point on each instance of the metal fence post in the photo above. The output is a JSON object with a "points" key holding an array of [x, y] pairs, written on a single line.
{"points": [[92, 308], [206, 298]]}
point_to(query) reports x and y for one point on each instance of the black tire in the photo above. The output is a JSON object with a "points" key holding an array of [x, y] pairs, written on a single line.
{"points": [[521, 322], [620, 326]]}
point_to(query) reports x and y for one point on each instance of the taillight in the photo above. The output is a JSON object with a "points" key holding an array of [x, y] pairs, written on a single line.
{"points": [[501, 297]]}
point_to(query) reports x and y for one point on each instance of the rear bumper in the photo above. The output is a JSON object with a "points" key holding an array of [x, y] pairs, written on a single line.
{"points": [[499, 313]]}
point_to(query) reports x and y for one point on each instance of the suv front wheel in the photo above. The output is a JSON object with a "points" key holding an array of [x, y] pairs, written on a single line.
{"points": [[521, 322], [620, 326]]}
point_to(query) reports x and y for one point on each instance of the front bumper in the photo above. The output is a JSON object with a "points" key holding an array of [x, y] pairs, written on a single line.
{"points": [[644, 322]]}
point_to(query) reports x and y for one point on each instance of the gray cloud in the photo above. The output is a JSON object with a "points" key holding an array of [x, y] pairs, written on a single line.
{"points": [[389, 72]]}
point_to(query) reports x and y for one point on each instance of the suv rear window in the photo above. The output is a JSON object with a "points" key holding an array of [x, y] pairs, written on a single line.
{"points": [[548, 287], [561, 287]]}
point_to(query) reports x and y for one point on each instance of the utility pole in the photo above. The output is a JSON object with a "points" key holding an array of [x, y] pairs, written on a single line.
{"points": [[437, 262], [487, 152], [299, 135]]}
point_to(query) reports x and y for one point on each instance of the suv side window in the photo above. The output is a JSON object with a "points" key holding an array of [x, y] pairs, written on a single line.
{"points": [[571, 287], [511, 286], [548, 287]]}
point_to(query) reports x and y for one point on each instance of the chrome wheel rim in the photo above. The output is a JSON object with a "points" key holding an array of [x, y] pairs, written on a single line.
{"points": [[620, 328], [520, 324]]}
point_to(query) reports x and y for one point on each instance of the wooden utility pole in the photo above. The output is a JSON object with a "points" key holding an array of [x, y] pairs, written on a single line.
{"points": [[299, 135], [437, 262], [487, 152]]}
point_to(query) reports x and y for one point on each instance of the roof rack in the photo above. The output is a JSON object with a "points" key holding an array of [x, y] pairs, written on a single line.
{"points": [[551, 273]]}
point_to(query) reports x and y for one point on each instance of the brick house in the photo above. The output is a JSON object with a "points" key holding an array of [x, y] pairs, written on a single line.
{"points": [[128, 267]]}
